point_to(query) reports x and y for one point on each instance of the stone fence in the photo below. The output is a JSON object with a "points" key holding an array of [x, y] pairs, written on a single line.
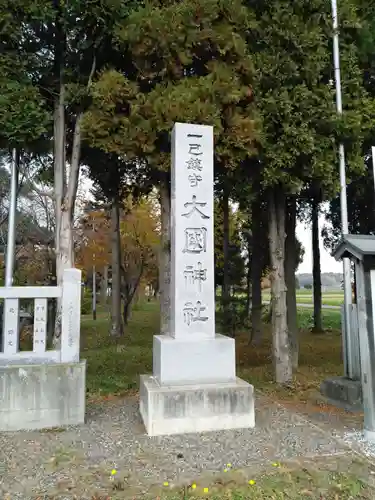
{"points": [[70, 295], [42, 388]]}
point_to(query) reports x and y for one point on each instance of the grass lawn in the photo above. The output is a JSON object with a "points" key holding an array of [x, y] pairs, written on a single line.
{"points": [[113, 368]]}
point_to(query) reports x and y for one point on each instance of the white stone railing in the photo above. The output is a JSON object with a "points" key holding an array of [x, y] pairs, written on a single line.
{"points": [[70, 293]]}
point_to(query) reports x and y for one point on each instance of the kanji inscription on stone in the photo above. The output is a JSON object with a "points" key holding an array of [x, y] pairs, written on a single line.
{"points": [[192, 245]]}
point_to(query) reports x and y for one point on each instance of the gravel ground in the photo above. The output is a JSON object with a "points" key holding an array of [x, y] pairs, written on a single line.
{"points": [[343, 425], [77, 462], [356, 440]]}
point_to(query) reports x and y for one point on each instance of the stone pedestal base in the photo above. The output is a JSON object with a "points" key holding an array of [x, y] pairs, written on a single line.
{"points": [[42, 396], [195, 408], [192, 361], [343, 392]]}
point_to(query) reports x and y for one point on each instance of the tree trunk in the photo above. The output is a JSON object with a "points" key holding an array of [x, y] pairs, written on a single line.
{"points": [[59, 125], [131, 293], [165, 257], [64, 260], [117, 329], [317, 282], [290, 279], [65, 195], [65, 187], [126, 312], [126, 305], [51, 304], [65, 253], [248, 279], [65, 192], [59, 191], [280, 337], [256, 274], [104, 286], [226, 278], [63, 207]]}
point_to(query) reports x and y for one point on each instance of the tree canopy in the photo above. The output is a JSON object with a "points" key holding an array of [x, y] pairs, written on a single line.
{"points": [[100, 84]]}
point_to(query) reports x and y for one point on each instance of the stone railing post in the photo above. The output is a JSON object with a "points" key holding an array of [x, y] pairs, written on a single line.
{"points": [[71, 316]]}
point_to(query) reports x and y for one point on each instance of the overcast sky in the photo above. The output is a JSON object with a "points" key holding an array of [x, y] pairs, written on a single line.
{"points": [[328, 264]]}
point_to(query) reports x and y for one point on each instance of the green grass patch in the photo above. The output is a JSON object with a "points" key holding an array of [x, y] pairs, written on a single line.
{"points": [[326, 479], [114, 365], [328, 299], [305, 291], [331, 319], [343, 477], [292, 487]]}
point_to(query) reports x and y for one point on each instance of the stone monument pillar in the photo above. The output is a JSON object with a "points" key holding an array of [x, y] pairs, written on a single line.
{"points": [[194, 386]]}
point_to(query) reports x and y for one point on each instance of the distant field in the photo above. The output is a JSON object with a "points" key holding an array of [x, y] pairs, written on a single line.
{"points": [[306, 297], [304, 291]]}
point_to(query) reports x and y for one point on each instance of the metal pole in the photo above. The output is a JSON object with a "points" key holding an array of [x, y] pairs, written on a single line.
{"points": [[373, 163], [349, 343], [11, 240]]}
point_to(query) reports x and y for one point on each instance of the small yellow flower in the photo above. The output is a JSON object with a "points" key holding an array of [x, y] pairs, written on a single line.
{"points": [[276, 464], [193, 486], [113, 472], [251, 482], [205, 490], [165, 483], [225, 470], [229, 465]]}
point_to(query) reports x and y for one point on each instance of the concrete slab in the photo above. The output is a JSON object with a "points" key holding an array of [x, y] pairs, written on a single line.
{"points": [[167, 410], [42, 396]]}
